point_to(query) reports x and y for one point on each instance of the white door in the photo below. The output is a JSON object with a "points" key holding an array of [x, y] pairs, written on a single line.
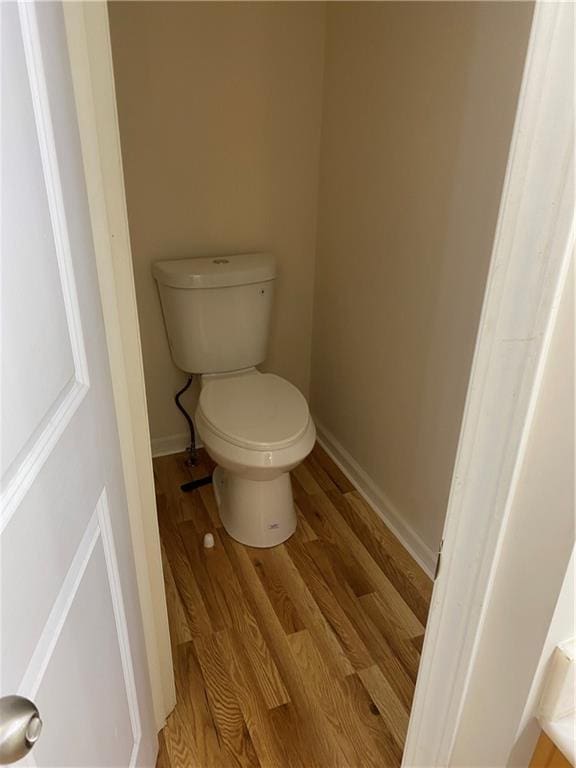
{"points": [[71, 632]]}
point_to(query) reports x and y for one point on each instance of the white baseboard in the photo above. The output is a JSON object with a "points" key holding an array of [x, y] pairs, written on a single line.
{"points": [[163, 446], [380, 503]]}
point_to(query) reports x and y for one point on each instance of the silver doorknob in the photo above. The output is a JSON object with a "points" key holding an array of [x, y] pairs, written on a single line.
{"points": [[20, 727]]}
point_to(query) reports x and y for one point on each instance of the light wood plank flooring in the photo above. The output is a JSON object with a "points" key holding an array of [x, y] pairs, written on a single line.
{"points": [[547, 755], [300, 656]]}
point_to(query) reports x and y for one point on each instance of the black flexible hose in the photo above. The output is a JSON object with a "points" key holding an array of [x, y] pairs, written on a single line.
{"points": [[184, 412]]}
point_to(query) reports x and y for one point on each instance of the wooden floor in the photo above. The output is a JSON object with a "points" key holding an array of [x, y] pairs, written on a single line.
{"points": [[303, 655], [547, 755]]}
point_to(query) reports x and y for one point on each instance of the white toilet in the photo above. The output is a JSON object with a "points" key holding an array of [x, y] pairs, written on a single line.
{"points": [[255, 426]]}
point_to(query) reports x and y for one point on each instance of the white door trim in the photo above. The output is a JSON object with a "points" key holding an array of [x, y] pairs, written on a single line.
{"points": [[531, 254], [88, 35]]}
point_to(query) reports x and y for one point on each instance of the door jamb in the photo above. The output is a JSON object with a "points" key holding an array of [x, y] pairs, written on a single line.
{"points": [[89, 48], [531, 253]]}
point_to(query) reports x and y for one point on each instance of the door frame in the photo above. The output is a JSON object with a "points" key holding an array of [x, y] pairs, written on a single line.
{"points": [[532, 250], [528, 268], [89, 48]]}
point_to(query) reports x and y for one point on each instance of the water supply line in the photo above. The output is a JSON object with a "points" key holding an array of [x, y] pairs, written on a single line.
{"points": [[192, 455], [192, 459]]}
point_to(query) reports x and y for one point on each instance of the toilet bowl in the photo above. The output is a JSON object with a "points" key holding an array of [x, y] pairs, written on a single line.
{"points": [[256, 427]]}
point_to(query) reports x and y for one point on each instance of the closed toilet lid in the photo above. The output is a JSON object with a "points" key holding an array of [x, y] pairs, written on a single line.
{"points": [[261, 411]]}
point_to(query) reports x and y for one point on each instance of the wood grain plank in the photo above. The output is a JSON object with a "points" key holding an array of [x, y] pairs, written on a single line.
{"points": [[270, 751], [334, 472], [177, 620], [399, 643], [350, 641], [396, 563], [349, 730], [190, 734], [304, 531], [369, 713], [418, 643], [197, 616], [374, 641], [306, 480], [346, 540], [286, 724], [321, 748], [179, 741], [547, 755], [171, 472], [215, 597], [163, 759], [229, 609], [278, 562], [234, 736], [390, 707], [320, 475], [277, 594], [349, 566]]}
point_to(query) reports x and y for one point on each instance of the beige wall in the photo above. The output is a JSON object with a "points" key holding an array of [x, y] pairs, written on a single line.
{"points": [[219, 107], [419, 102]]}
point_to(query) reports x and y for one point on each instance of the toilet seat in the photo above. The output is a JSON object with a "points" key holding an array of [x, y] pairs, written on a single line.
{"points": [[260, 412]]}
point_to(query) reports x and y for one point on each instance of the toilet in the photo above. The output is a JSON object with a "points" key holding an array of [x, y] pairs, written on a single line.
{"points": [[256, 426]]}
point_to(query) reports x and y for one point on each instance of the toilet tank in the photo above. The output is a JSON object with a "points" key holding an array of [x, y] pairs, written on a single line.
{"points": [[217, 310]]}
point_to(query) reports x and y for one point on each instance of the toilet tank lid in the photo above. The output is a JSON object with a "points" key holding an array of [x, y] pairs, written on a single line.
{"points": [[216, 271]]}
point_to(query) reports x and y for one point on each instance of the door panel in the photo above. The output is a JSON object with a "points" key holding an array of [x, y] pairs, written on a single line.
{"points": [[31, 279], [71, 629], [68, 642]]}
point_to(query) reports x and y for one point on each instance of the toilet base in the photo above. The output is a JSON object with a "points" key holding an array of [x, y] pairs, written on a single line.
{"points": [[258, 513]]}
